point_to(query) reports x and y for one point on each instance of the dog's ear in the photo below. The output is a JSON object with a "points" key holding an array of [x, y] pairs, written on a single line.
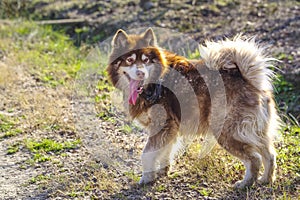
{"points": [[150, 38], [120, 39]]}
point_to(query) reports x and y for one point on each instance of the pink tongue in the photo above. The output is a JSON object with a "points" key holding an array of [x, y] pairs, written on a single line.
{"points": [[133, 85]]}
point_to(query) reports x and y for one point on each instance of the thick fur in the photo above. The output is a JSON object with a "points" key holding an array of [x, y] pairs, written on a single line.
{"points": [[227, 93]]}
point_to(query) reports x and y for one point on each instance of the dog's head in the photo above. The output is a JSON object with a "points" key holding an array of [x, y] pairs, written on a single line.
{"points": [[135, 61]]}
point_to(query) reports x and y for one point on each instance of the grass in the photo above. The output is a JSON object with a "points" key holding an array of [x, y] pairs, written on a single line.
{"points": [[45, 149], [48, 145], [161, 188], [132, 176], [52, 59], [39, 178], [8, 127], [11, 149]]}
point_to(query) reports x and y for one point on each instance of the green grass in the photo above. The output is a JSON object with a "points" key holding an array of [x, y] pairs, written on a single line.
{"points": [[133, 176], [50, 55], [161, 188], [126, 129], [41, 149], [8, 127], [40, 178], [49, 145], [11, 149], [5, 123]]}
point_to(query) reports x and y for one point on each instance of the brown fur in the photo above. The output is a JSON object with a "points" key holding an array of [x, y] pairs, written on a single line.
{"points": [[242, 125]]}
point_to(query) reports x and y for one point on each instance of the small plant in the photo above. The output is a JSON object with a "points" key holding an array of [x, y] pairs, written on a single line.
{"points": [[126, 129], [48, 145], [161, 188], [132, 176], [283, 56], [205, 192], [39, 178], [8, 127], [41, 158], [13, 148], [45, 146], [5, 124]]}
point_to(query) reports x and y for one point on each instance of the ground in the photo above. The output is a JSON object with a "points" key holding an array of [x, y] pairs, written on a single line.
{"points": [[62, 138]]}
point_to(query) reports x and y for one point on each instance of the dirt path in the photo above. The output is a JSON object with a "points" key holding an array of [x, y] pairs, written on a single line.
{"points": [[33, 108], [14, 179]]}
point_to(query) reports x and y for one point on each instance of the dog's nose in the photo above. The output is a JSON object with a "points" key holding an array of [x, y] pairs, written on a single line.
{"points": [[140, 74]]}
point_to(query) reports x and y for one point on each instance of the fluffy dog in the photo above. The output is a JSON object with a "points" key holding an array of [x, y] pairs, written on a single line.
{"points": [[227, 94]]}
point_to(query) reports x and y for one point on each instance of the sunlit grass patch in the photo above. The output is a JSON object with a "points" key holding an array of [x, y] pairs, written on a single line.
{"points": [[44, 149], [132, 176], [8, 127], [50, 55], [49, 145], [41, 178], [13, 148]]}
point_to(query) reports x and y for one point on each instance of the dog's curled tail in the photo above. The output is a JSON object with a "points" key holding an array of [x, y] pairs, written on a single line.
{"points": [[246, 54]]}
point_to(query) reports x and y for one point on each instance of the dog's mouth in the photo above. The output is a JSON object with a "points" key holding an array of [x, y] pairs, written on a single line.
{"points": [[135, 88]]}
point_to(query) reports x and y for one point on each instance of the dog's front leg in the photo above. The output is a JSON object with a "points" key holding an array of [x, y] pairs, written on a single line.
{"points": [[149, 160], [156, 154]]}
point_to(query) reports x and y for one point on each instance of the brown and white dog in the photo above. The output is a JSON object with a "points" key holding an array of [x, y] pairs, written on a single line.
{"points": [[227, 94]]}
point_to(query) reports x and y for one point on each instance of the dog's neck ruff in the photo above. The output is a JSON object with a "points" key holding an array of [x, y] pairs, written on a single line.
{"points": [[153, 93]]}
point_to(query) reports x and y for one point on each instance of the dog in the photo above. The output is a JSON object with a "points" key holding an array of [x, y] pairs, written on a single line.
{"points": [[227, 93]]}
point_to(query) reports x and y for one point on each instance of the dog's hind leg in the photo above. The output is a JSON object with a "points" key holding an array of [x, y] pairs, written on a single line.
{"points": [[267, 150], [247, 153], [156, 154], [269, 161]]}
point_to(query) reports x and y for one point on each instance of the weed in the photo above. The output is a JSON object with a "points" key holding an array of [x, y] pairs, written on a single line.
{"points": [[39, 178], [126, 129], [38, 157], [48, 145], [8, 127], [287, 97], [194, 55], [131, 175], [5, 124], [13, 148], [161, 188], [205, 192], [11, 133], [40, 149]]}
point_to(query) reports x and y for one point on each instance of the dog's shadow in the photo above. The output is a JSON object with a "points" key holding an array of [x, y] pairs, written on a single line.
{"points": [[164, 188]]}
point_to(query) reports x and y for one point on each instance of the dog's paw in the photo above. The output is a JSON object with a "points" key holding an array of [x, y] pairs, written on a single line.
{"points": [[163, 171], [243, 184], [148, 177], [265, 180]]}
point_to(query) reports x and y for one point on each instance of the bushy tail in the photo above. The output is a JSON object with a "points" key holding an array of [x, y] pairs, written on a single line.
{"points": [[247, 55]]}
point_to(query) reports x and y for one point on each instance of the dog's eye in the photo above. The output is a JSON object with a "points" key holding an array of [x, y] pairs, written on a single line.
{"points": [[129, 60], [146, 60]]}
